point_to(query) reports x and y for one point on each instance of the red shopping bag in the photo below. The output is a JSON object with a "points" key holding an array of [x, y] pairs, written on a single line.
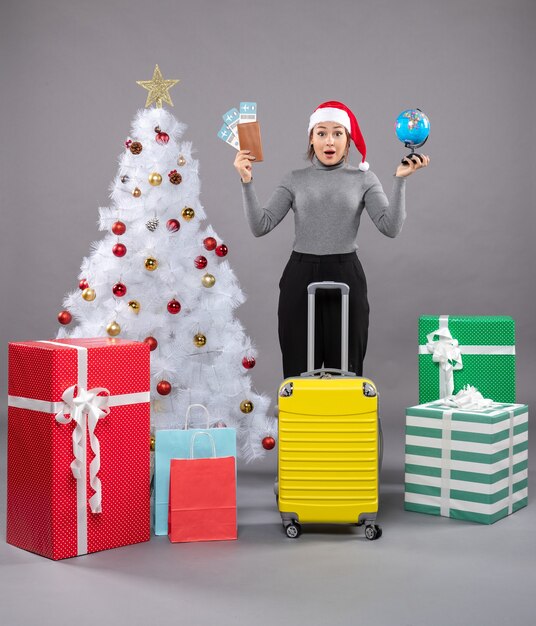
{"points": [[202, 497]]}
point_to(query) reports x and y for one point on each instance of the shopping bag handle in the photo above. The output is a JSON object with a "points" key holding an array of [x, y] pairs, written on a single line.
{"points": [[188, 414], [198, 434]]}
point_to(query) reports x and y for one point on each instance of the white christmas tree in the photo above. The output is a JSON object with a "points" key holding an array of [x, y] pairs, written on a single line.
{"points": [[160, 276]]}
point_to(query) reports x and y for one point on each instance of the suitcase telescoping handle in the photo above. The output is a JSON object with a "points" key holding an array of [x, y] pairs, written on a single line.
{"points": [[311, 293]]}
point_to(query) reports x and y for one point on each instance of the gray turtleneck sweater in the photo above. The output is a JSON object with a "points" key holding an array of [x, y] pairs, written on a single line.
{"points": [[327, 201]]}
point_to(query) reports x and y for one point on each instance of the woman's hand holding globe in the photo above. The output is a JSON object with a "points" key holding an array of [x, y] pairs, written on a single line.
{"points": [[411, 164]]}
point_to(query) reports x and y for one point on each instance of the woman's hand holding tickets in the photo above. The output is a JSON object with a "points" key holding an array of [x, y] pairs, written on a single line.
{"points": [[411, 165], [242, 164]]}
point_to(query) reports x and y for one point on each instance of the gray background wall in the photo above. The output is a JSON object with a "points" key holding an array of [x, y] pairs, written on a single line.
{"points": [[68, 95]]}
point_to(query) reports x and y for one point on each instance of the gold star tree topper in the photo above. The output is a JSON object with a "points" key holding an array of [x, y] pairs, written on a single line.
{"points": [[158, 89]]}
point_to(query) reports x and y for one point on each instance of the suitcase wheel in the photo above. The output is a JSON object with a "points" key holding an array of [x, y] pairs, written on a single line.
{"points": [[293, 530], [373, 531]]}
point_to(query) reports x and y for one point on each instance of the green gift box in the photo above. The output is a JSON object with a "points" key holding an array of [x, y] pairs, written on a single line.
{"points": [[466, 464], [455, 351]]}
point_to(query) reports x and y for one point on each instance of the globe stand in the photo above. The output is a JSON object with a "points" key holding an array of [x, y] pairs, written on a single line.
{"points": [[412, 154]]}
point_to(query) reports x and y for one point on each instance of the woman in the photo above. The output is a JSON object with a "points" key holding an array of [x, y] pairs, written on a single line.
{"points": [[327, 199]]}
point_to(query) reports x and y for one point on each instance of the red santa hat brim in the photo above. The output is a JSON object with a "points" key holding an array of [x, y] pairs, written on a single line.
{"points": [[329, 114]]}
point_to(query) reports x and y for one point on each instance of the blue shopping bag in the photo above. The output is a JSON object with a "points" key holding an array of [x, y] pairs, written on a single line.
{"points": [[175, 444]]}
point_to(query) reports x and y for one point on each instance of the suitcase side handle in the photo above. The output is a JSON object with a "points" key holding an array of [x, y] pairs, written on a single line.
{"points": [[311, 293]]}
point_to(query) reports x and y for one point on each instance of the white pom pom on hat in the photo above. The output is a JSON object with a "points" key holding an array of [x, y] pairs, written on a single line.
{"points": [[334, 111]]}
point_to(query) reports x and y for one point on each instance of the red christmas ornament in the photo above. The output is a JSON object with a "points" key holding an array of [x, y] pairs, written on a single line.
{"points": [[118, 228], [83, 284], [268, 443], [200, 262], [162, 138], [64, 317], [210, 243], [174, 306], [119, 249], [173, 225], [119, 290], [153, 343], [128, 143], [248, 362], [163, 387], [222, 250]]}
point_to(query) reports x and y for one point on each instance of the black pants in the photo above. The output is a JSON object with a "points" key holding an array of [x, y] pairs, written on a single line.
{"points": [[300, 271]]}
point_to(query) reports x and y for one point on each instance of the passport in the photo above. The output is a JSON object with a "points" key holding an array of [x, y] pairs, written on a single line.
{"points": [[249, 137]]}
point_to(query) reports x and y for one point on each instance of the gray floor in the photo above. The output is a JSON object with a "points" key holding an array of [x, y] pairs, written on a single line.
{"points": [[423, 571]]}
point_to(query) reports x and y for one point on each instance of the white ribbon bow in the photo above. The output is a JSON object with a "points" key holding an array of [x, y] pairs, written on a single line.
{"points": [[469, 399], [445, 351], [90, 403]]}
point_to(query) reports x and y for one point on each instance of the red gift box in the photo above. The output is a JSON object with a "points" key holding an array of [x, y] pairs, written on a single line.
{"points": [[78, 450]]}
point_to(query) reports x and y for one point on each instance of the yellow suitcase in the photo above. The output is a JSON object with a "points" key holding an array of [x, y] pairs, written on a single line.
{"points": [[330, 442]]}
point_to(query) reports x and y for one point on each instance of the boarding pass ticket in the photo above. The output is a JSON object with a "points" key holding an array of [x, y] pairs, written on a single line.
{"points": [[227, 135], [247, 112]]}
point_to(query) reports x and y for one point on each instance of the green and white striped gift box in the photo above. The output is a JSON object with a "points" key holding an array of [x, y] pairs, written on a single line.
{"points": [[469, 465]]}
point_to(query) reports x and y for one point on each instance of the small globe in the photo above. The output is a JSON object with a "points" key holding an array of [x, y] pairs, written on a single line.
{"points": [[412, 127]]}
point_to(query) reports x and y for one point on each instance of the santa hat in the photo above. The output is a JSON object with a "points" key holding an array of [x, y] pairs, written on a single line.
{"points": [[333, 111]]}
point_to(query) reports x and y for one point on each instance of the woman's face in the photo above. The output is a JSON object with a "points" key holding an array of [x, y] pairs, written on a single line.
{"points": [[329, 142]]}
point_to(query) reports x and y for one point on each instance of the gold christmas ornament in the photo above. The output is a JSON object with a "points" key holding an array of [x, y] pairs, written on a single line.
{"points": [[151, 264], [200, 340], [113, 329], [89, 294], [158, 89], [181, 161], [135, 306], [155, 179], [208, 280], [137, 192], [188, 213], [246, 406], [152, 443]]}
